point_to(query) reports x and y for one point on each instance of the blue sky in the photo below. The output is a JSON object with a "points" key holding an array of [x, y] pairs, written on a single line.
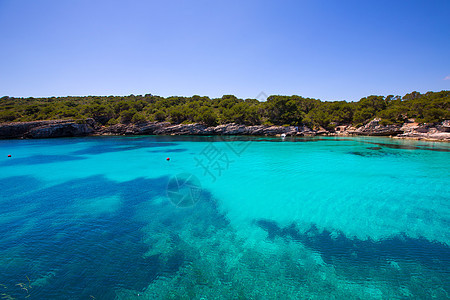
{"points": [[331, 50]]}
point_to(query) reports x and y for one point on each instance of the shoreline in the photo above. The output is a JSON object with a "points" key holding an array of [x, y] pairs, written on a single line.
{"points": [[89, 127]]}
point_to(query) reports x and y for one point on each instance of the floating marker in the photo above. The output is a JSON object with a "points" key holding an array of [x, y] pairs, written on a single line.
{"points": [[168, 158], [9, 155]]}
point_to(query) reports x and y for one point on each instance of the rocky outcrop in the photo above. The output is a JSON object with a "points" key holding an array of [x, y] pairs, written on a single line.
{"points": [[46, 129], [345, 130], [440, 132], [70, 128], [151, 128], [374, 128], [444, 127], [16, 130], [60, 128], [165, 128], [185, 129]]}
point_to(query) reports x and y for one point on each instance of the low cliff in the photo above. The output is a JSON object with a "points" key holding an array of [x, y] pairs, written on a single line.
{"points": [[165, 128], [408, 130], [46, 129], [374, 128], [70, 128], [440, 132]]}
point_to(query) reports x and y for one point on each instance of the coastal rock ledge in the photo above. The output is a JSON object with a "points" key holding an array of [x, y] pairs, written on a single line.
{"points": [[46, 129], [71, 128], [166, 128]]}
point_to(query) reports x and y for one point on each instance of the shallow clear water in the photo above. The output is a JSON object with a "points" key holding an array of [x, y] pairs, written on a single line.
{"points": [[224, 218]]}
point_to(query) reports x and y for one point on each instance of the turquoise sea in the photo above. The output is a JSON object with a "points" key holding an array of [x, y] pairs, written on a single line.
{"points": [[224, 218]]}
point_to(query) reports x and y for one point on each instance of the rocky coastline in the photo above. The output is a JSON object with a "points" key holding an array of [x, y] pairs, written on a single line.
{"points": [[71, 128]]}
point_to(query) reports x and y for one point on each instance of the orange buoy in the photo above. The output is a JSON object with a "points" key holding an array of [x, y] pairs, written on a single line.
{"points": [[168, 158], [9, 155]]}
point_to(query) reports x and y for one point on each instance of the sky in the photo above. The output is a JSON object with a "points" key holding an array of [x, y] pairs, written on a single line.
{"points": [[328, 50]]}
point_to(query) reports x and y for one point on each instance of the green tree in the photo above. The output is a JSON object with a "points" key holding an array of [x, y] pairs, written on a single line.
{"points": [[127, 115]]}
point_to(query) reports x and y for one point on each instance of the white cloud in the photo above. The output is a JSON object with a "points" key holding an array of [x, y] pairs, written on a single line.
{"points": [[447, 77]]}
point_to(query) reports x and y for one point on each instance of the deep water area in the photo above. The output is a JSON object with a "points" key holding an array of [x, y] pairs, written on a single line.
{"points": [[184, 217]]}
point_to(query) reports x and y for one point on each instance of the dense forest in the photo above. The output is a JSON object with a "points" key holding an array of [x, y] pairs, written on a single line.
{"points": [[278, 110]]}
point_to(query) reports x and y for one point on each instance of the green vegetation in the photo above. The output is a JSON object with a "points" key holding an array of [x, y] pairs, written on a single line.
{"points": [[278, 110]]}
